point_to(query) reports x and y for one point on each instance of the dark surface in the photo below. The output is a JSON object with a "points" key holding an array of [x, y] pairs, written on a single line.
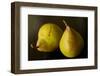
{"points": [[36, 21]]}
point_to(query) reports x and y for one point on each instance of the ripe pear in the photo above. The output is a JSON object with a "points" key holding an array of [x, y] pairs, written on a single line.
{"points": [[48, 37], [71, 42]]}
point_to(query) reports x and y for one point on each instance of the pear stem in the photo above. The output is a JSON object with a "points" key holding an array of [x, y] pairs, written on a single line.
{"points": [[65, 23], [32, 46], [67, 27]]}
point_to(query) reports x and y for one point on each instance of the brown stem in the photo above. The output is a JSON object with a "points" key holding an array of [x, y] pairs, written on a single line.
{"points": [[32, 46], [67, 27], [65, 23]]}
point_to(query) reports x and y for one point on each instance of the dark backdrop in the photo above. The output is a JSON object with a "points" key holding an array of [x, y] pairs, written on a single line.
{"points": [[80, 24]]}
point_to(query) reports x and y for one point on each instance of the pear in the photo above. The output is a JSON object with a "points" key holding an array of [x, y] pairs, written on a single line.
{"points": [[49, 36], [71, 42]]}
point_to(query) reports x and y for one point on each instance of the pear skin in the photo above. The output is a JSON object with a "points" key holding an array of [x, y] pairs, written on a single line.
{"points": [[71, 42], [48, 37]]}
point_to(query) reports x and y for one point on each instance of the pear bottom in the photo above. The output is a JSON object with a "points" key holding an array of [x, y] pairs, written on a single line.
{"points": [[71, 43]]}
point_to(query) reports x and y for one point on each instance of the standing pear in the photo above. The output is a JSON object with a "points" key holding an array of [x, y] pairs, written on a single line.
{"points": [[71, 42]]}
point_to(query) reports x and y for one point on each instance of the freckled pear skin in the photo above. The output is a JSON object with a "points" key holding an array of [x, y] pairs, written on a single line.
{"points": [[71, 43], [49, 36]]}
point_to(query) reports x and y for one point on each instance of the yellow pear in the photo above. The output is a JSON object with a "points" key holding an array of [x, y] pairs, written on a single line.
{"points": [[71, 42], [48, 37]]}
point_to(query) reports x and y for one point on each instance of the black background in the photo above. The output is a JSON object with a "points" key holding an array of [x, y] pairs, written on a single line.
{"points": [[36, 21]]}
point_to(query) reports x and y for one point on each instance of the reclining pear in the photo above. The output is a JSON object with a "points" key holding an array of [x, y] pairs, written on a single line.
{"points": [[49, 36]]}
